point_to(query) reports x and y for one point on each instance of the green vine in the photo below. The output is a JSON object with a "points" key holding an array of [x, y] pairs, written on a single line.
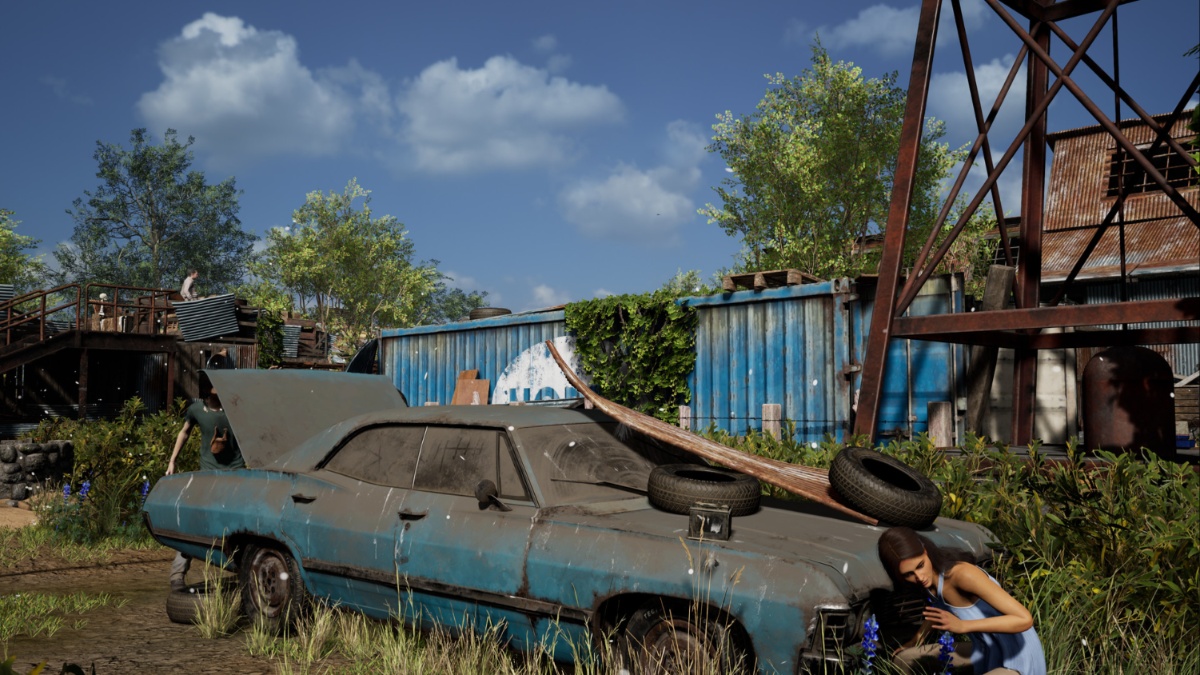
{"points": [[270, 338], [637, 349]]}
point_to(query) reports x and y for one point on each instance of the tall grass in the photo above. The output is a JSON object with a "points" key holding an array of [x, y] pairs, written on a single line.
{"points": [[38, 614]]}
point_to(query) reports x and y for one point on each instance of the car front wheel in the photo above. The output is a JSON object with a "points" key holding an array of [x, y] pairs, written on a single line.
{"points": [[666, 636], [273, 595]]}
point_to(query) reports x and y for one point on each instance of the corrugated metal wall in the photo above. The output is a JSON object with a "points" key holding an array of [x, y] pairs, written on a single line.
{"points": [[786, 345], [424, 362], [1184, 358], [800, 346]]}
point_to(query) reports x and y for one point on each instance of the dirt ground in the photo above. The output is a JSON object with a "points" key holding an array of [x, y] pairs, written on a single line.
{"points": [[19, 516], [135, 638]]}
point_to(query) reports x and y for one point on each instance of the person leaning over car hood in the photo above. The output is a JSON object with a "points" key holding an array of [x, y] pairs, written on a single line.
{"points": [[218, 450]]}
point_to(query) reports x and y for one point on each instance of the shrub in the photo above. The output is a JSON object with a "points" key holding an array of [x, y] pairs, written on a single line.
{"points": [[117, 460]]}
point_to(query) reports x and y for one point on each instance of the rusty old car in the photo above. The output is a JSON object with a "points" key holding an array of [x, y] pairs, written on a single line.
{"points": [[532, 522]]}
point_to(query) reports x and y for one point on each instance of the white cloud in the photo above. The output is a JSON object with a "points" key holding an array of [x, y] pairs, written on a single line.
{"points": [[892, 31], [797, 32], [245, 94], [646, 205], [59, 86], [544, 296], [557, 63], [602, 293], [503, 115], [950, 101], [545, 43]]}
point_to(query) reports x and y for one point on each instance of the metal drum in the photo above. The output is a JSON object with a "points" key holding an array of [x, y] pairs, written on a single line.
{"points": [[1128, 402]]}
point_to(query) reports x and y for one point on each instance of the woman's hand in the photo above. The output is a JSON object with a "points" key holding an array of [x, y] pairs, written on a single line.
{"points": [[943, 620]]}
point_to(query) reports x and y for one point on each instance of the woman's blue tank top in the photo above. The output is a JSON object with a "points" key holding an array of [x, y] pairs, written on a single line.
{"points": [[1021, 652]]}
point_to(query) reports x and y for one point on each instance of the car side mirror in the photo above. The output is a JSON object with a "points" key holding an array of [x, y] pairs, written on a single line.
{"points": [[487, 494]]}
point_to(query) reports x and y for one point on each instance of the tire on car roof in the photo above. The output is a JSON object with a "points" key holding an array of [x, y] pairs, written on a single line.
{"points": [[675, 488], [883, 487]]}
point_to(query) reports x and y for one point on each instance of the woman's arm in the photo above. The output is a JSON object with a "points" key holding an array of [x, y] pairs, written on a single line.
{"points": [[968, 579]]}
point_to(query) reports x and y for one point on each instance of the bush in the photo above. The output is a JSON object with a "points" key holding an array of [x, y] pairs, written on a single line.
{"points": [[116, 462]]}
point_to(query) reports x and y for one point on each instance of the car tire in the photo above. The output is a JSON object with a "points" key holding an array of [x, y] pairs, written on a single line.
{"points": [[273, 594], [883, 487], [675, 488], [183, 605], [674, 636]]}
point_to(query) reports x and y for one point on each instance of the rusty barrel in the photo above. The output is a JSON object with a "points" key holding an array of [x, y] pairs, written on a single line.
{"points": [[1128, 402]]}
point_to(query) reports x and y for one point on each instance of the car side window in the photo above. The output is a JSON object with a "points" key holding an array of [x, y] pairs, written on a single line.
{"points": [[384, 455], [455, 459]]}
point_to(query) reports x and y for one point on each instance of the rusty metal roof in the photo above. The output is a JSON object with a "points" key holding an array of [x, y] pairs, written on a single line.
{"points": [[1158, 238]]}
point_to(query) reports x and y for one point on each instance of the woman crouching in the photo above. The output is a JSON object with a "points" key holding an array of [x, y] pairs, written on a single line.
{"points": [[963, 599]]}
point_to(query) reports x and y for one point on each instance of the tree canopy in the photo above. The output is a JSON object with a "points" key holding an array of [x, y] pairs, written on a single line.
{"points": [[812, 169], [355, 272], [17, 267], [152, 218]]}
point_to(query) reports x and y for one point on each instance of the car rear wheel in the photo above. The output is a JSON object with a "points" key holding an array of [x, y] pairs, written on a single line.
{"points": [[883, 487], [674, 636], [675, 488], [273, 595]]}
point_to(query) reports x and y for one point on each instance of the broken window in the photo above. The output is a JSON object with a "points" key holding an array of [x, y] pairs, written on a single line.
{"points": [[380, 455], [1173, 167]]}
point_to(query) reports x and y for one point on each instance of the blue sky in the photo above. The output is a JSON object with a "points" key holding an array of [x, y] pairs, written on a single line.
{"points": [[544, 152]]}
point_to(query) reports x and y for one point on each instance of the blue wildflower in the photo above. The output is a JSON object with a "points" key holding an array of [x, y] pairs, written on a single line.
{"points": [[870, 642], [145, 491], [66, 492], [946, 651], [83, 490]]}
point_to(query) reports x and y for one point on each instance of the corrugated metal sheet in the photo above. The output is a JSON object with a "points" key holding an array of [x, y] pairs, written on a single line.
{"points": [[291, 341], [207, 318], [1183, 358], [424, 362], [152, 385], [799, 347], [1157, 236]]}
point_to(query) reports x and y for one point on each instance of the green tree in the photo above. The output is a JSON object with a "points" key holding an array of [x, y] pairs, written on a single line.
{"points": [[22, 270], [355, 272], [812, 169], [152, 218]]}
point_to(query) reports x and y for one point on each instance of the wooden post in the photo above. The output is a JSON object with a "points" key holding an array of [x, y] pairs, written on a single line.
{"points": [[983, 359], [772, 414], [941, 423], [685, 417]]}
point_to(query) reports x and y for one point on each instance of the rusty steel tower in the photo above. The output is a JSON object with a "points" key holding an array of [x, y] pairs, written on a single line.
{"points": [[1023, 328]]}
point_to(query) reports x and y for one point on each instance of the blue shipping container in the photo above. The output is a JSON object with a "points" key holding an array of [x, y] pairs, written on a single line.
{"points": [[798, 346]]}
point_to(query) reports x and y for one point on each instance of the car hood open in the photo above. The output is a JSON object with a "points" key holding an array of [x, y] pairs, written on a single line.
{"points": [[273, 411]]}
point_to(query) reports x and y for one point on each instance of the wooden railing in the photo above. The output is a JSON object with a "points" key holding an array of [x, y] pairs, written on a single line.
{"points": [[90, 307]]}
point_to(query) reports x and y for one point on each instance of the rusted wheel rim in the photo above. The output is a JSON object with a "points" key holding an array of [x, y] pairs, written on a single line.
{"points": [[270, 574], [678, 646]]}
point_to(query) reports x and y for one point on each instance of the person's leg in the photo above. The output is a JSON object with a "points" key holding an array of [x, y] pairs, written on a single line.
{"points": [[179, 570], [1002, 671], [916, 659]]}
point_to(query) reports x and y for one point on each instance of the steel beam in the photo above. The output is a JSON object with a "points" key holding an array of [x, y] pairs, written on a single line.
{"points": [[903, 183], [1083, 338], [1142, 311]]}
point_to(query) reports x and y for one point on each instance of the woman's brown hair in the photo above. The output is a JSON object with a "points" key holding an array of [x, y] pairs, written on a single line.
{"points": [[901, 543]]}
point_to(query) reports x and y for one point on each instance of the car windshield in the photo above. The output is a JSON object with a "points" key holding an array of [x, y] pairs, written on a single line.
{"points": [[601, 460]]}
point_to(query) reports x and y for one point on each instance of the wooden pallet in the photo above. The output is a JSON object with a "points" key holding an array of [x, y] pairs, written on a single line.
{"points": [[768, 279]]}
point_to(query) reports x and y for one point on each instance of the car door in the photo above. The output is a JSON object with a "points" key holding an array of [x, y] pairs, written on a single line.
{"points": [[343, 518], [465, 563]]}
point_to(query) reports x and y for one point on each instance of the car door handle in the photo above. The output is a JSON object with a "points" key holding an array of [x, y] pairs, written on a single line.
{"points": [[303, 499], [405, 514]]}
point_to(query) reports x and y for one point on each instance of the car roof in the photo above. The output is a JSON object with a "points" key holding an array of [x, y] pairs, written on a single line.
{"points": [[515, 416]]}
